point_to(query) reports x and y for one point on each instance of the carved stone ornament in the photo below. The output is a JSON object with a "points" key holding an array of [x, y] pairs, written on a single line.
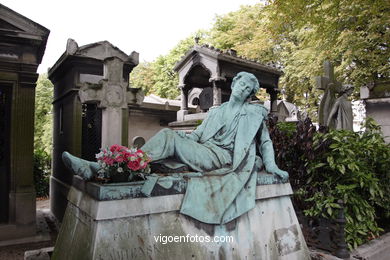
{"points": [[71, 47]]}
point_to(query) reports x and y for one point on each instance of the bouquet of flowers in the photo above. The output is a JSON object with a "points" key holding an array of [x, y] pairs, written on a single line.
{"points": [[119, 163]]}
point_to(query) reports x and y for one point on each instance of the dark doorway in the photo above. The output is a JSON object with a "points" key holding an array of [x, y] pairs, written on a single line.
{"points": [[5, 126], [91, 131]]}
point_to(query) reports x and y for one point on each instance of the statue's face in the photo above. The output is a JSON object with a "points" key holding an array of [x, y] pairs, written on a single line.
{"points": [[349, 91], [243, 87]]}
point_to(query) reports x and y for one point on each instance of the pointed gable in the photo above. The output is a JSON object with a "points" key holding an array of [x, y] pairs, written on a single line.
{"points": [[97, 52], [101, 50], [16, 29]]}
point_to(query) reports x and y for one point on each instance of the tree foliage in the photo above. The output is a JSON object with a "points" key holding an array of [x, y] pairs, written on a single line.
{"points": [[43, 135], [142, 77], [158, 77], [43, 115], [299, 35]]}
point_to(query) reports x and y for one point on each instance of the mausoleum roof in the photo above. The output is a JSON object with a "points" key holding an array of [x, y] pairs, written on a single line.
{"points": [[155, 102], [228, 56], [97, 51], [16, 28]]}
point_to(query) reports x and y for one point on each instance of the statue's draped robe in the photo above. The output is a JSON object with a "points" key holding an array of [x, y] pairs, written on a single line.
{"points": [[343, 115], [326, 104], [221, 195]]}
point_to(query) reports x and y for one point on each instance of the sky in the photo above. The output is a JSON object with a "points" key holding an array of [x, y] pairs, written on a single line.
{"points": [[149, 27]]}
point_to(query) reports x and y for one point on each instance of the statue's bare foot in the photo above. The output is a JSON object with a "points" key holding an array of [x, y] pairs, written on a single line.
{"points": [[83, 168]]}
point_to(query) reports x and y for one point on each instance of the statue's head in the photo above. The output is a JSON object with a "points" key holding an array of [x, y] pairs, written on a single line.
{"points": [[245, 79], [347, 88]]}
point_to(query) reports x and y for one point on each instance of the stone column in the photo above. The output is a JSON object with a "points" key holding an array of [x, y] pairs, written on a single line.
{"points": [[217, 91], [114, 101], [273, 100], [184, 103]]}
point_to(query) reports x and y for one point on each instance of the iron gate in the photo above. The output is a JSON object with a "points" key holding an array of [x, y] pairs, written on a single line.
{"points": [[5, 126], [91, 131]]}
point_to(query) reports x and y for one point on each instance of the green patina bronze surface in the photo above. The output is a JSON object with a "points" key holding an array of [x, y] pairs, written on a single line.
{"points": [[225, 153], [154, 186]]}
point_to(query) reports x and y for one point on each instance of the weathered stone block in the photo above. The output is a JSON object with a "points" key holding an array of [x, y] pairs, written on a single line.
{"points": [[146, 228]]}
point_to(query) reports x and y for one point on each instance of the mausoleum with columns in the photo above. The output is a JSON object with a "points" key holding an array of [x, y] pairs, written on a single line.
{"points": [[211, 71]]}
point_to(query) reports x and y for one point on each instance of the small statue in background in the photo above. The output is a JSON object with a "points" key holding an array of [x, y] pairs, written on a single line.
{"points": [[331, 86], [341, 116]]}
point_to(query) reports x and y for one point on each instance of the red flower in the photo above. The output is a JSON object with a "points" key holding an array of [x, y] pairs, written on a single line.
{"points": [[120, 159], [134, 165], [108, 160], [116, 148]]}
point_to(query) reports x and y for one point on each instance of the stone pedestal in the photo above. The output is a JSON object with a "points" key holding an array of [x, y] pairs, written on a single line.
{"points": [[114, 221]]}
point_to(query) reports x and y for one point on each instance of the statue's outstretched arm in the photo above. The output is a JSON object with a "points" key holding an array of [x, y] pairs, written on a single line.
{"points": [[267, 152]]}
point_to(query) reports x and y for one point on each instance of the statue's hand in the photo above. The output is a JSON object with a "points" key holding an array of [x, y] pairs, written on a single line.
{"points": [[283, 175]]}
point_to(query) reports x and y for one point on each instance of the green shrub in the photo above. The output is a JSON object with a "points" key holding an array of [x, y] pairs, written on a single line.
{"points": [[353, 167], [41, 173], [331, 165]]}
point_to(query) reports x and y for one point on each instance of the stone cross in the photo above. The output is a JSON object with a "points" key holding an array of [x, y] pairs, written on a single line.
{"points": [[112, 95], [331, 86]]}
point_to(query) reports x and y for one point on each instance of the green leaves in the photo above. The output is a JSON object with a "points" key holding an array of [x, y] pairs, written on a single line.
{"points": [[332, 165], [351, 167], [299, 35], [43, 115], [158, 77]]}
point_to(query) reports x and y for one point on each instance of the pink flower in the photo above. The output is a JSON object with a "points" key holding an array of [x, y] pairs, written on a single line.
{"points": [[134, 165], [126, 155], [108, 160], [119, 159], [116, 148], [132, 157]]}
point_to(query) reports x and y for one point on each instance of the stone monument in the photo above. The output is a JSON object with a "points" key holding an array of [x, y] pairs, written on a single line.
{"points": [[226, 193], [22, 46], [90, 107], [330, 86], [376, 97], [341, 116]]}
